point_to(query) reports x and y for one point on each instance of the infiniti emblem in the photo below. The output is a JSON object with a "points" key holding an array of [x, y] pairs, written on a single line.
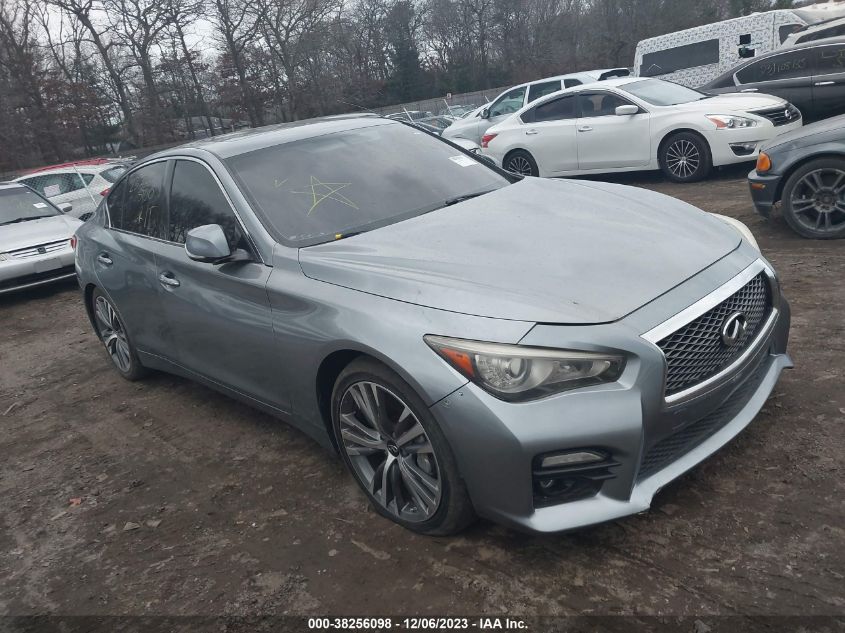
{"points": [[734, 329]]}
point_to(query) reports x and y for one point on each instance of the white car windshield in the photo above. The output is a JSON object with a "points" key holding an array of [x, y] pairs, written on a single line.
{"points": [[19, 205], [663, 93]]}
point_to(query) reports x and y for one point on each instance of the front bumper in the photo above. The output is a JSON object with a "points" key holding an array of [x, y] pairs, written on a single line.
{"points": [[764, 191], [19, 274], [723, 142], [497, 443]]}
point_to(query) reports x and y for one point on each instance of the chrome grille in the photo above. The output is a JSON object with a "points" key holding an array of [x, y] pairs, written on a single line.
{"points": [[780, 115], [41, 249], [695, 352]]}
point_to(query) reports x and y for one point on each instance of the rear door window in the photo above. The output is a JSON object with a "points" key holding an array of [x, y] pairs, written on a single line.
{"points": [[554, 110], [777, 67], [535, 91], [143, 202]]}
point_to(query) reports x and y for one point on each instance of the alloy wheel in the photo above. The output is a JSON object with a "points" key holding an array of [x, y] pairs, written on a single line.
{"points": [[818, 200], [519, 165], [113, 334], [390, 451], [683, 158]]}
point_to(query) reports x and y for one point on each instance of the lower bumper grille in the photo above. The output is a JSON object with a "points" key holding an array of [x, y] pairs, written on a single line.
{"points": [[25, 280], [684, 440]]}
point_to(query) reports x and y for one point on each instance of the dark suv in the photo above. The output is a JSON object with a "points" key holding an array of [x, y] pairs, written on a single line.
{"points": [[811, 75]]}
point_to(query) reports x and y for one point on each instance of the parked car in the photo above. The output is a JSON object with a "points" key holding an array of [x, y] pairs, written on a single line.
{"points": [[400, 314], [35, 239], [700, 54], [834, 27], [805, 171], [634, 124], [438, 122], [811, 76], [80, 183], [472, 127]]}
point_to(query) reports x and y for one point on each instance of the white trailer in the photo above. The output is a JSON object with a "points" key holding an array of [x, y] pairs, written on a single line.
{"points": [[695, 56]]}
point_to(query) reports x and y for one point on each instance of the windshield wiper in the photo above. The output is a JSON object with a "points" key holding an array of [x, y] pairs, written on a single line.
{"points": [[468, 196], [16, 220]]}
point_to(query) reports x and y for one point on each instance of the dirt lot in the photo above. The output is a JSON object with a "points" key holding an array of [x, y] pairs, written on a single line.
{"points": [[235, 513]]}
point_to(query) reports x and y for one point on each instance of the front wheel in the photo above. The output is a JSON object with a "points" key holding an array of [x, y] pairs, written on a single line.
{"points": [[685, 157], [814, 199], [395, 450]]}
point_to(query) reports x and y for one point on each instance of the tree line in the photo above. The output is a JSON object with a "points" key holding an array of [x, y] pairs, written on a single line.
{"points": [[80, 77]]}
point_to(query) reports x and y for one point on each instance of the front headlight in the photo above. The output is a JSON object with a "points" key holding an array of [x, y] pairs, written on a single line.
{"points": [[743, 230], [730, 121], [518, 373]]}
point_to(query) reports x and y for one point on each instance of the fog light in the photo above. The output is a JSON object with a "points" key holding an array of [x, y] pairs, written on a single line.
{"points": [[570, 459], [743, 149]]}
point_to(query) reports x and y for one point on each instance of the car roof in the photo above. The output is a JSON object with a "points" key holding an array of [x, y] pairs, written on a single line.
{"points": [[252, 139]]}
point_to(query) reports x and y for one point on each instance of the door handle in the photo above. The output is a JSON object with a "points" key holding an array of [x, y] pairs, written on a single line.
{"points": [[824, 83], [104, 259], [585, 128], [168, 280], [749, 90], [531, 132]]}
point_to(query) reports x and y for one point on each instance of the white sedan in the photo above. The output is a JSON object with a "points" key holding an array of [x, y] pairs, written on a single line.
{"points": [[632, 124]]}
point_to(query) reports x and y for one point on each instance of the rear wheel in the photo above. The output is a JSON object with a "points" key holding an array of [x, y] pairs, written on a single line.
{"points": [[522, 163], [685, 157], [113, 334], [814, 199], [396, 452]]}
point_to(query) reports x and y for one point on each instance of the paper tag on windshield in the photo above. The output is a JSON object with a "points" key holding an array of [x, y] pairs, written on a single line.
{"points": [[463, 161], [39, 205], [52, 190]]}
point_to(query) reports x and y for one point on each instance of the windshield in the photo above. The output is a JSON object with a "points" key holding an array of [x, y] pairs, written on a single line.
{"points": [[663, 93], [327, 187], [19, 205]]}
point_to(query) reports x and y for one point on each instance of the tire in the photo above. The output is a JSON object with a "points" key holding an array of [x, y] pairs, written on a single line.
{"points": [[111, 331], [522, 163], [813, 199], [685, 157], [370, 403]]}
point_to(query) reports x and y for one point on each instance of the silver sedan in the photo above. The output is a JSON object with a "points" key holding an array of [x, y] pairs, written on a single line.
{"points": [[546, 354], [35, 239]]}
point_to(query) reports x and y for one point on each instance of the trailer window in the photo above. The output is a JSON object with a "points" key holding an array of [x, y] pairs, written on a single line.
{"points": [[671, 60]]}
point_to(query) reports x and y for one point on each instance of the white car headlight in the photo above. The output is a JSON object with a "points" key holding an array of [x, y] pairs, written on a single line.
{"points": [[518, 373], [743, 230], [730, 121]]}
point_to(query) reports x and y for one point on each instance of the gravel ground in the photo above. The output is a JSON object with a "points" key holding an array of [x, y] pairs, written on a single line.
{"points": [[166, 498]]}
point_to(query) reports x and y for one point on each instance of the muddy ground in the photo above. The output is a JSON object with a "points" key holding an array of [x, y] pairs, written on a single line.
{"points": [[164, 497]]}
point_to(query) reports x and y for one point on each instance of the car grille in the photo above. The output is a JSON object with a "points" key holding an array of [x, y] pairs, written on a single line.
{"points": [[696, 352], [780, 115], [683, 441], [41, 249]]}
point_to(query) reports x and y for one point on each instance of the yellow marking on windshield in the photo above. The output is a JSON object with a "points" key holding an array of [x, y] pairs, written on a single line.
{"points": [[321, 191]]}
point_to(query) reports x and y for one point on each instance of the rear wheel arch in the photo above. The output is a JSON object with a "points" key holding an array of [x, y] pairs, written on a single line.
{"points": [[516, 150]]}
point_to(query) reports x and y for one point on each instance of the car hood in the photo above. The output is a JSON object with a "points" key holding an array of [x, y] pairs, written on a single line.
{"points": [[732, 102], [832, 129], [538, 250], [35, 232]]}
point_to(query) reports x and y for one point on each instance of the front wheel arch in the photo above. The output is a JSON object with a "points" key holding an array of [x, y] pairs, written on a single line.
{"points": [[669, 135]]}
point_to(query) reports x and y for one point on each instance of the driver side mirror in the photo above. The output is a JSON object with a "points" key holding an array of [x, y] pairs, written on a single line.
{"points": [[65, 207], [485, 113], [626, 110], [208, 244]]}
